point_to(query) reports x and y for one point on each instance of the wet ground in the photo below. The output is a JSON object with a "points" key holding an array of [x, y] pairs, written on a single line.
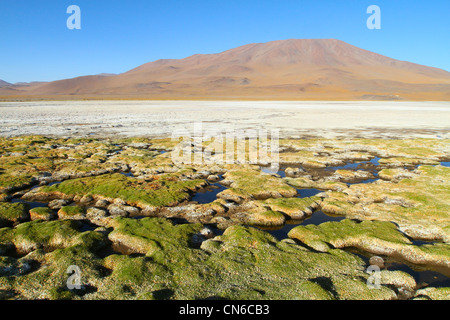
{"points": [[423, 276]]}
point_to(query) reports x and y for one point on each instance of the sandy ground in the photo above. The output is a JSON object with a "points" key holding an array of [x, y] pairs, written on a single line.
{"points": [[162, 118]]}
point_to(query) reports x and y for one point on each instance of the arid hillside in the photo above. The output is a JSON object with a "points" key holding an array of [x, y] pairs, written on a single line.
{"points": [[296, 69]]}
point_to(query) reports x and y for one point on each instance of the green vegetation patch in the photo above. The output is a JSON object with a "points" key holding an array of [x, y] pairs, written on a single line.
{"points": [[161, 192], [42, 213], [33, 235], [148, 235], [295, 208], [266, 218], [12, 213], [420, 205], [255, 184], [377, 237], [71, 212]]}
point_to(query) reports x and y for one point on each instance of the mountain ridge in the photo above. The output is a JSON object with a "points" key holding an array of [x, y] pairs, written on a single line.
{"points": [[297, 69]]}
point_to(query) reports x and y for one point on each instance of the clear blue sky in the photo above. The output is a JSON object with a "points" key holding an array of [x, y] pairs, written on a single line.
{"points": [[118, 35]]}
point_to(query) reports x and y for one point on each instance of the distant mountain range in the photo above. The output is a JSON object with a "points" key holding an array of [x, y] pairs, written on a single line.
{"points": [[296, 69], [4, 83]]}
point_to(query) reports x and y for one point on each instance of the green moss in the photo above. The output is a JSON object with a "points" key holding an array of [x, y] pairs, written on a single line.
{"points": [[151, 236], [71, 211], [241, 236], [420, 205], [402, 161], [44, 213], [11, 181], [131, 270], [244, 262], [315, 291], [347, 232], [336, 206], [267, 218], [253, 183], [280, 269], [434, 293], [50, 235], [11, 213], [61, 294], [136, 156], [322, 185], [376, 237], [41, 210], [37, 234], [161, 192], [295, 208]]}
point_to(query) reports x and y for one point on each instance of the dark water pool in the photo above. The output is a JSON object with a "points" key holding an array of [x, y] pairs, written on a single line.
{"points": [[31, 204], [363, 181], [356, 165], [274, 170], [127, 174], [54, 183], [306, 193], [423, 277], [316, 218], [209, 193], [375, 160], [370, 166], [347, 166]]}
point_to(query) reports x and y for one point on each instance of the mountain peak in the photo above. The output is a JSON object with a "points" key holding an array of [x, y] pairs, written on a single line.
{"points": [[305, 69]]}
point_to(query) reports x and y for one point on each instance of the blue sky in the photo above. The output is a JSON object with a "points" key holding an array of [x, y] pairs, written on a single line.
{"points": [[118, 35]]}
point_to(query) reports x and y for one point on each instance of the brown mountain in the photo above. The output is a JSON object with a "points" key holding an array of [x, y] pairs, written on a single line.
{"points": [[307, 69], [4, 83]]}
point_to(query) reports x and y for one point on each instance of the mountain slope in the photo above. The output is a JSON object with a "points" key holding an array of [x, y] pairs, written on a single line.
{"points": [[285, 69], [4, 83]]}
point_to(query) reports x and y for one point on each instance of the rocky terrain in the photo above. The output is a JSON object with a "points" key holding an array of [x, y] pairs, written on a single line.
{"points": [[139, 226]]}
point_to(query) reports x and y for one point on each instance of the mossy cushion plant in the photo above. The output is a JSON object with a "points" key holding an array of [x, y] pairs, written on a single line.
{"points": [[245, 263], [32, 235], [420, 205], [71, 212], [161, 192], [254, 184], [155, 258], [377, 237], [266, 218], [12, 213], [295, 208], [42, 213]]}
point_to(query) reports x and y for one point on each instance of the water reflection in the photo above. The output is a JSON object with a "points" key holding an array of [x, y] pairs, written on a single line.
{"points": [[316, 218]]}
